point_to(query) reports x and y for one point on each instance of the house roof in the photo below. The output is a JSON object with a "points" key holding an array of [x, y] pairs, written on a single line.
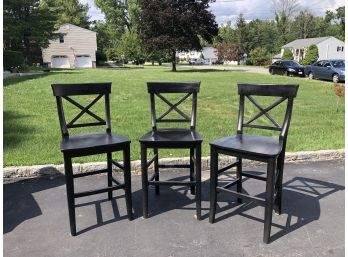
{"points": [[302, 43], [76, 27]]}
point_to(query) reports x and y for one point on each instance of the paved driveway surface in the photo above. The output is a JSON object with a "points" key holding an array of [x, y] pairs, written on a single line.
{"points": [[36, 219]]}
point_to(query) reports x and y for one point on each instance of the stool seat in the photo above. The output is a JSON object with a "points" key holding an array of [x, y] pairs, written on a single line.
{"points": [[172, 136], [92, 141], [250, 144]]}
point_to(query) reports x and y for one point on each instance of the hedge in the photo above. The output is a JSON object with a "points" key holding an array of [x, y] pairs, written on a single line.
{"points": [[13, 59]]}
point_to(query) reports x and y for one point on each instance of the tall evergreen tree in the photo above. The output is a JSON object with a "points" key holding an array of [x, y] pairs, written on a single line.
{"points": [[176, 25], [70, 11]]}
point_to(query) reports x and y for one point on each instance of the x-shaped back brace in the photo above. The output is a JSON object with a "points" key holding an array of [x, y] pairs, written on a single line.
{"points": [[264, 111], [173, 107], [72, 124]]}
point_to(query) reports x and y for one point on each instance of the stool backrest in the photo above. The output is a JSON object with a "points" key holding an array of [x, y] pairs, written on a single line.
{"points": [[284, 92], [160, 88], [65, 91]]}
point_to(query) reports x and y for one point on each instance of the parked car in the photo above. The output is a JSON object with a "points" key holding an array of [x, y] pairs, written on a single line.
{"points": [[194, 61], [287, 68], [327, 69], [218, 62]]}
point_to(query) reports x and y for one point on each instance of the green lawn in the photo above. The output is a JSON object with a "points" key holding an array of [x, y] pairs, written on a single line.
{"points": [[32, 134]]}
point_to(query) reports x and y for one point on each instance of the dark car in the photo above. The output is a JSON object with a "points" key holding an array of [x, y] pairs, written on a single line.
{"points": [[327, 69], [287, 68]]}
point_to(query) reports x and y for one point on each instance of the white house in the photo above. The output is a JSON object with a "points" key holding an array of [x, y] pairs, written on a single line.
{"points": [[76, 48], [328, 48], [207, 54]]}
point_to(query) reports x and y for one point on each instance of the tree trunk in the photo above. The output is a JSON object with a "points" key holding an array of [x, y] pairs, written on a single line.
{"points": [[173, 60]]}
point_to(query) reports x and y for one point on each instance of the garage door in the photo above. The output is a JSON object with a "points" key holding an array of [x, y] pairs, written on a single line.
{"points": [[60, 61], [83, 61]]}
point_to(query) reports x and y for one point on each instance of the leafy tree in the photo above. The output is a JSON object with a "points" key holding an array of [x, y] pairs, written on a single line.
{"points": [[304, 25], [311, 56], [28, 27], [130, 47], [226, 33], [260, 56], [124, 15], [284, 11], [70, 11], [176, 25], [287, 55], [262, 33], [228, 51], [338, 18], [108, 37]]}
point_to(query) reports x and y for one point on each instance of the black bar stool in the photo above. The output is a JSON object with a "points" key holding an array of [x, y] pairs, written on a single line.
{"points": [[260, 148], [172, 138], [91, 144]]}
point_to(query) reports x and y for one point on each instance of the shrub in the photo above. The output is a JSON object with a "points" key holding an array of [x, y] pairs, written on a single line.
{"points": [[259, 56], [312, 55], [13, 59], [287, 55]]}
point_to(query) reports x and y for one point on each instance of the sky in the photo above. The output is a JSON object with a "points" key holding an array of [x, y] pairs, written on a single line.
{"points": [[228, 10]]}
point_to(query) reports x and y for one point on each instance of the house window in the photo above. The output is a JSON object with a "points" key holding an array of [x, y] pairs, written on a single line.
{"points": [[61, 39], [340, 48]]}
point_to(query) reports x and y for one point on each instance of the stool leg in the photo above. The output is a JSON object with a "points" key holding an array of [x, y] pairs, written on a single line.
{"points": [[192, 169], [109, 164], [198, 180], [239, 177], [156, 169], [69, 180], [279, 184], [213, 182], [127, 180], [269, 200], [144, 179]]}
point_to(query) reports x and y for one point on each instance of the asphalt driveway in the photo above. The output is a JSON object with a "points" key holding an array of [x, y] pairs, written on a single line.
{"points": [[36, 219]]}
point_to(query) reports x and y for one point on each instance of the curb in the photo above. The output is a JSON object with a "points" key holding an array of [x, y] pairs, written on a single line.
{"points": [[51, 169]]}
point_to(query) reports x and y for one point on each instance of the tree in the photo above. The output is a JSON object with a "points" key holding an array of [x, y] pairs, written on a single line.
{"points": [[338, 18], [304, 25], [242, 34], [124, 15], [70, 11], [226, 33], [228, 51], [260, 56], [287, 55], [312, 55], [288, 8], [176, 25], [130, 47], [284, 11], [28, 27]]}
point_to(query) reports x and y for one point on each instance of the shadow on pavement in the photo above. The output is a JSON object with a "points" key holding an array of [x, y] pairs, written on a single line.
{"points": [[19, 202], [301, 204]]}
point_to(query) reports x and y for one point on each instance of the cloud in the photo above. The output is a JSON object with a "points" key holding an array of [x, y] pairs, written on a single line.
{"points": [[228, 10]]}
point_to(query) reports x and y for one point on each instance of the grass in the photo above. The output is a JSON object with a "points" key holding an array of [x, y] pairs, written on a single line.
{"points": [[32, 134]]}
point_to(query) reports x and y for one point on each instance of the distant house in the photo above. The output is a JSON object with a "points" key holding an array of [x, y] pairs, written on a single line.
{"points": [[328, 48], [207, 54], [76, 48]]}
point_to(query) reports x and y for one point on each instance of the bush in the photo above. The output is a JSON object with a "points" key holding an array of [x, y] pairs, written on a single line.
{"points": [[287, 55], [312, 55], [259, 56], [13, 60]]}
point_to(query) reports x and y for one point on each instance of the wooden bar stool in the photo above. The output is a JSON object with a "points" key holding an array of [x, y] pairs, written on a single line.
{"points": [[254, 147], [172, 138], [91, 144]]}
